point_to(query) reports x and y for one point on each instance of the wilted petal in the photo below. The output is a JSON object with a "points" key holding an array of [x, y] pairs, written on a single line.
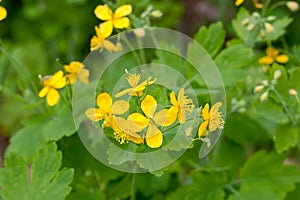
{"points": [[181, 116], [109, 46], [120, 107]]}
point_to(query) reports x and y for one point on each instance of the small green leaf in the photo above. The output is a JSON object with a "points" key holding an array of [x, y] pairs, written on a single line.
{"points": [[42, 181], [149, 184], [265, 177], [234, 56], [207, 185], [211, 38], [286, 136]]}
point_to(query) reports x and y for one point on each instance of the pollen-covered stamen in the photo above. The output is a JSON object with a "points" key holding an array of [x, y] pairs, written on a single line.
{"points": [[133, 79], [121, 137]]}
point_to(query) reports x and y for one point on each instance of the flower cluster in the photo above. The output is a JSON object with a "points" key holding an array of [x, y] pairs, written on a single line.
{"points": [[117, 19], [146, 123], [59, 80]]}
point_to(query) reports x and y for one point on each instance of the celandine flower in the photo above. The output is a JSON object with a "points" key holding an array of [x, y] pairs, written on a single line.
{"points": [[3, 13], [154, 136], [126, 130], [273, 55], [213, 119], [98, 42], [106, 109], [51, 84], [136, 88], [180, 106], [117, 19], [238, 2], [76, 69]]}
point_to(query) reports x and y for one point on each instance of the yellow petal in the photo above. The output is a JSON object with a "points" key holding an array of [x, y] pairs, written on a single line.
{"points": [[103, 12], [106, 28], [44, 91], [160, 118], [139, 119], [205, 112], [266, 60], [136, 138], [52, 97], [173, 99], [202, 129], [3, 13], [73, 67], [123, 11], [238, 2], [181, 95], [95, 43], [83, 75], [58, 80], [120, 107], [215, 108], [181, 116], [104, 101], [282, 58], [272, 52], [122, 93], [71, 78], [110, 46], [122, 23], [154, 137], [94, 114], [171, 115], [148, 106]]}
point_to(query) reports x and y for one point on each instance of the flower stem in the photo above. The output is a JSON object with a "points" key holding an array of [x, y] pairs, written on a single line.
{"points": [[285, 107], [132, 192]]}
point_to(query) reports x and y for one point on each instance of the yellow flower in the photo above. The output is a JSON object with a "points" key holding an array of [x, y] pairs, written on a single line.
{"points": [[117, 19], [136, 89], [51, 84], [213, 119], [77, 69], [180, 106], [98, 42], [154, 136], [3, 13], [126, 130], [258, 5], [106, 109], [273, 55], [238, 2]]}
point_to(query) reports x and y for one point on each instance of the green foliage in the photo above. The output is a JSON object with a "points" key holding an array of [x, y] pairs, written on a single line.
{"points": [[40, 180]]}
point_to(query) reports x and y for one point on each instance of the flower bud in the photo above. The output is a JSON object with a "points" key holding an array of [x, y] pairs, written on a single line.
{"points": [[262, 34], [269, 28], [277, 74], [256, 15], [250, 27], [264, 96], [293, 92], [245, 22], [258, 88], [271, 18], [139, 32], [292, 5], [265, 82], [156, 13]]}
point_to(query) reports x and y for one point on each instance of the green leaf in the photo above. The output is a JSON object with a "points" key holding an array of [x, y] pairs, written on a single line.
{"points": [[295, 194], [265, 177], [286, 136], [234, 56], [41, 181], [211, 38], [207, 185], [149, 184]]}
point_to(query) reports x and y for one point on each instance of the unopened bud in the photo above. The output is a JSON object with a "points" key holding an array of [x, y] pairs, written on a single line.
{"points": [[256, 15], [250, 27], [245, 22], [258, 88], [262, 34], [139, 32], [264, 96], [265, 82], [271, 18], [188, 132], [292, 5], [269, 28], [293, 92], [156, 13], [277, 74]]}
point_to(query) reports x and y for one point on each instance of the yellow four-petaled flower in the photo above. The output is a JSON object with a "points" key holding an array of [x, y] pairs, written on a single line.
{"points": [[273, 55], [213, 119], [51, 84], [98, 42], [76, 69]]}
